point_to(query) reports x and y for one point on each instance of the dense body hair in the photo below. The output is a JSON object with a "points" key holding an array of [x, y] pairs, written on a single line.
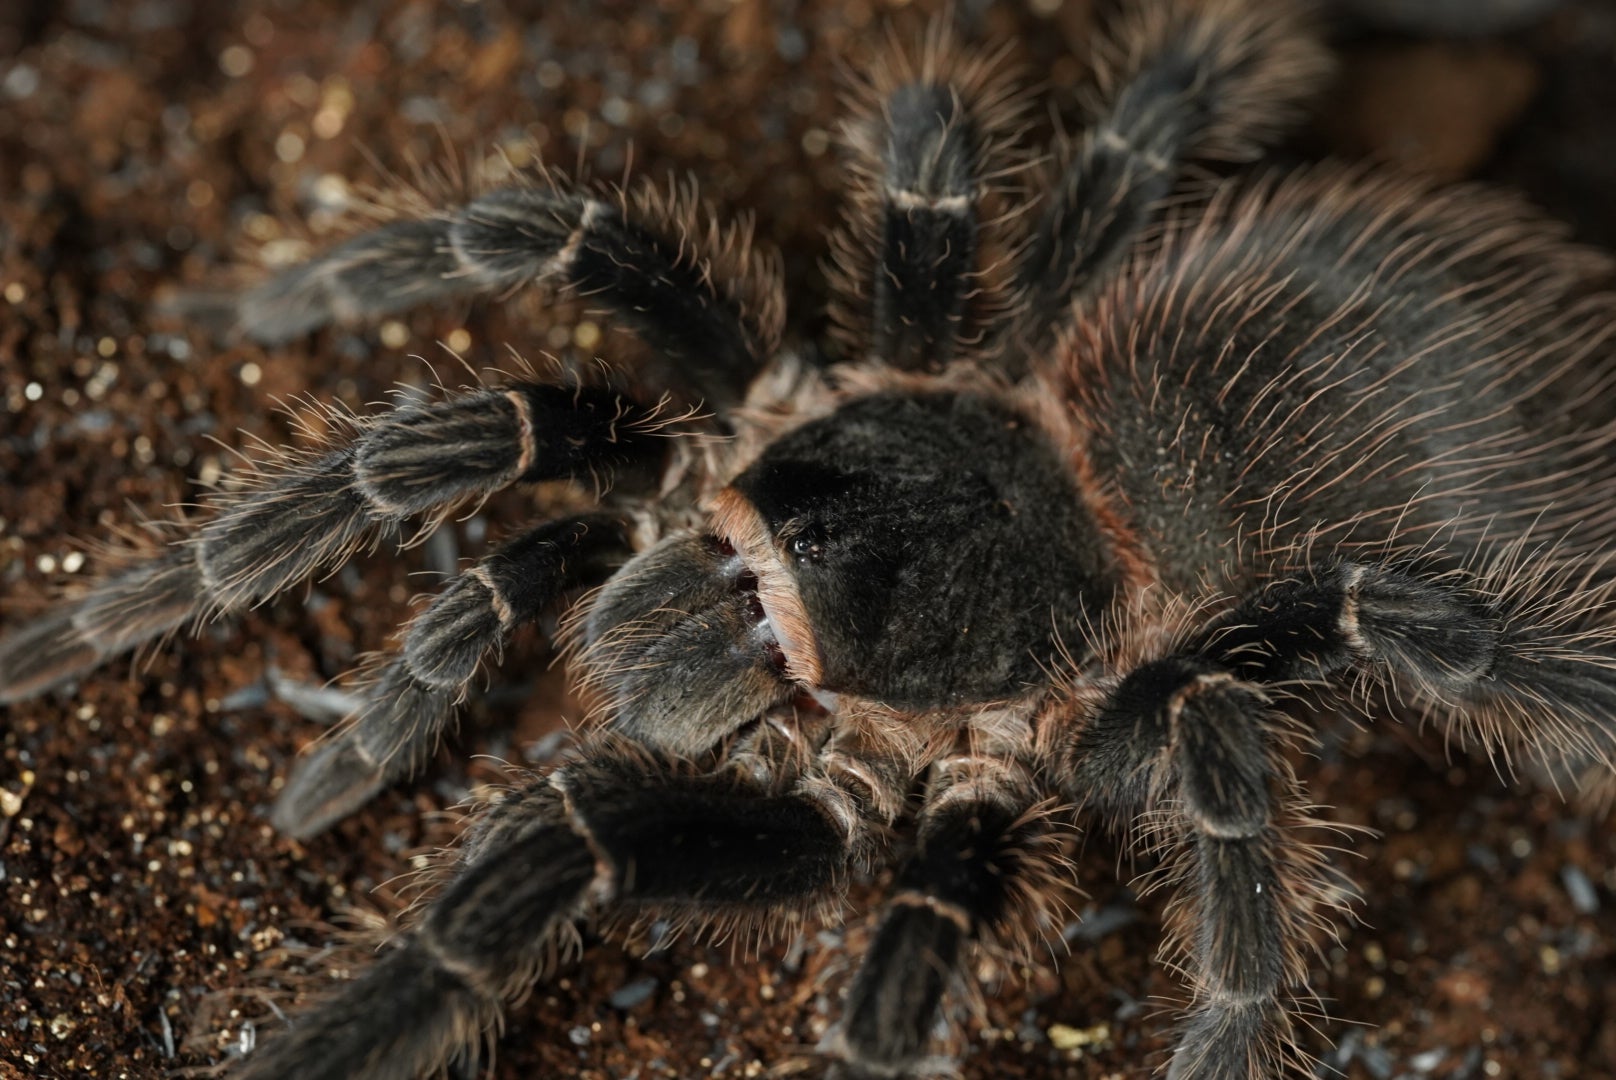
{"points": [[1346, 362]]}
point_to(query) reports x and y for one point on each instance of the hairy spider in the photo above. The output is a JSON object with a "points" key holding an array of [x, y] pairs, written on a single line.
{"points": [[1091, 497]]}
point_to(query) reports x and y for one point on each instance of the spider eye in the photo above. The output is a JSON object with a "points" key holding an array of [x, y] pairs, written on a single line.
{"points": [[807, 547]]}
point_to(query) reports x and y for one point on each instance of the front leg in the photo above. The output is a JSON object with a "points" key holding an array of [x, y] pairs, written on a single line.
{"points": [[620, 831]]}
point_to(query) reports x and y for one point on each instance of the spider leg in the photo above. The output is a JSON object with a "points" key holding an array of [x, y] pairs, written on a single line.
{"points": [[1177, 81], [1192, 740], [986, 864], [698, 294], [1190, 745], [1516, 658], [307, 511], [620, 829], [930, 140], [411, 697]]}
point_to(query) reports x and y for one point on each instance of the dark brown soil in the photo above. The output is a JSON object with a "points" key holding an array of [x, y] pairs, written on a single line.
{"points": [[150, 914]]}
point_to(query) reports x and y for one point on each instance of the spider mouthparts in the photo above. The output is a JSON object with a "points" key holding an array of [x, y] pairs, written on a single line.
{"points": [[787, 634], [764, 629]]}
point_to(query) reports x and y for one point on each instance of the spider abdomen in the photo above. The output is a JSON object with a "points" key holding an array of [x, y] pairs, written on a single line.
{"points": [[1348, 360]]}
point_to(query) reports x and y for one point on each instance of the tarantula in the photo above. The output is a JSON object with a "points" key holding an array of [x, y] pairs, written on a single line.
{"points": [[1093, 496]]}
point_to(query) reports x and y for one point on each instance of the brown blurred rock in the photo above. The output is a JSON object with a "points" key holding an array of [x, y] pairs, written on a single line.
{"points": [[1439, 108]]}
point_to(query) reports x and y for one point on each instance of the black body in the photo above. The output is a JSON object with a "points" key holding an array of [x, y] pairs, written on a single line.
{"points": [[909, 515]]}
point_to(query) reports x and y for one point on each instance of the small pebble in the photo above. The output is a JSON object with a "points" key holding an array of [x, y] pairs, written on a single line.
{"points": [[1428, 1060], [20, 82], [1101, 924], [312, 701], [637, 992], [252, 696], [1378, 1060], [1062, 1037], [443, 553], [547, 748], [1584, 897], [1482, 858]]}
